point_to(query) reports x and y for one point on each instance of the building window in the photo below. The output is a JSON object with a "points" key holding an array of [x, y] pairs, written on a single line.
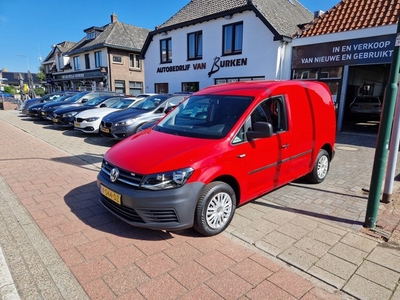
{"points": [[97, 59], [232, 39], [190, 87], [119, 86], [135, 88], [161, 88], [59, 61], [87, 61], [90, 35], [166, 50], [235, 79], [77, 65], [195, 45], [134, 61], [117, 59]]}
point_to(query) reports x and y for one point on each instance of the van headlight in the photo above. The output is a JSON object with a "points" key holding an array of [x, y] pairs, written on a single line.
{"points": [[167, 180]]}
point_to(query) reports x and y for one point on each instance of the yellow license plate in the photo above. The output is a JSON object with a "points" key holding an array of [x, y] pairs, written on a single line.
{"points": [[106, 130], [55, 120], [77, 124], [110, 194]]}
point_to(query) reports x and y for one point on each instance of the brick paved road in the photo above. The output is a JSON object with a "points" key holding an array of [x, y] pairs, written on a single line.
{"points": [[53, 174]]}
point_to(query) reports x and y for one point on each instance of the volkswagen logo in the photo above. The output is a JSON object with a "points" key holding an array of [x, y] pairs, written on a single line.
{"points": [[114, 174]]}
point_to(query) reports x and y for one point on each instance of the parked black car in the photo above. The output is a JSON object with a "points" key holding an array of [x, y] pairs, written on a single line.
{"points": [[35, 110], [64, 116], [46, 98], [77, 100]]}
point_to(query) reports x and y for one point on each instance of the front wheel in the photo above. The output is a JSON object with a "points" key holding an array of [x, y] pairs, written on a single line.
{"points": [[215, 208], [321, 167]]}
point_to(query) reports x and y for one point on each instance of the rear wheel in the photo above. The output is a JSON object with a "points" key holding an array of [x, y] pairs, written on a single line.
{"points": [[321, 167], [215, 209]]}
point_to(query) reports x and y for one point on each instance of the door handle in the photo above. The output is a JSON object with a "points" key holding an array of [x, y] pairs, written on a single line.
{"points": [[285, 146], [241, 155]]}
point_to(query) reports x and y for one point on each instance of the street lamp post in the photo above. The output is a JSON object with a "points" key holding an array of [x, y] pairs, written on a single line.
{"points": [[23, 95]]}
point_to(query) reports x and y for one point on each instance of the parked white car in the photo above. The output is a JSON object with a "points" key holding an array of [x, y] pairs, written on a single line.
{"points": [[88, 121]]}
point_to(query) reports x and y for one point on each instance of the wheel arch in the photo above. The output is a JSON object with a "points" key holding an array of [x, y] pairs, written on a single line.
{"points": [[230, 180]]}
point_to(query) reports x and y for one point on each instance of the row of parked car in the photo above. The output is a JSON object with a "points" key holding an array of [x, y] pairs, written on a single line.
{"points": [[110, 114]]}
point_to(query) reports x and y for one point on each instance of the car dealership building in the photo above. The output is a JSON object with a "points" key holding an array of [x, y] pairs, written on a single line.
{"points": [[350, 47]]}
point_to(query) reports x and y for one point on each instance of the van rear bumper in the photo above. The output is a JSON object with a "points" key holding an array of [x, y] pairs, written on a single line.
{"points": [[171, 209]]}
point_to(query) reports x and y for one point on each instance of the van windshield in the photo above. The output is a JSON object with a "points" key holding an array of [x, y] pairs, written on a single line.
{"points": [[210, 116]]}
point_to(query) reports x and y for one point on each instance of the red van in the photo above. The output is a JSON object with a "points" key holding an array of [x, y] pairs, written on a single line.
{"points": [[222, 147]]}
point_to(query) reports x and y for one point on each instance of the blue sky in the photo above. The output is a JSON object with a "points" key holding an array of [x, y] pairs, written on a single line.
{"points": [[28, 29]]}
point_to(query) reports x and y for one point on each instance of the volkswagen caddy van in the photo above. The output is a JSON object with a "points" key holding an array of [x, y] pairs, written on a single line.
{"points": [[220, 148]]}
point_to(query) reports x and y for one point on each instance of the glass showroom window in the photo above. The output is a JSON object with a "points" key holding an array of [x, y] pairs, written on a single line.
{"points": [[195, 45], [97, 59], [77, 65], [190, 87], [134, 61], [232, 39], [161, 88], [166, 50]]}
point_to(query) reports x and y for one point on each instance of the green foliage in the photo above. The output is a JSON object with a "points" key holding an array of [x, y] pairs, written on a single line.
{"points": [[39, 91], [10, 90], [41, 75]]}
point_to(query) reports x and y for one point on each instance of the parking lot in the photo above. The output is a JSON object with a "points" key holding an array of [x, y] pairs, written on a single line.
{"points": [[300, 226]]}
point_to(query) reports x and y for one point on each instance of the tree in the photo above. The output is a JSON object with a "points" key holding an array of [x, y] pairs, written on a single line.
{"points": [[10, 90], [40, 74], [39, 91]]}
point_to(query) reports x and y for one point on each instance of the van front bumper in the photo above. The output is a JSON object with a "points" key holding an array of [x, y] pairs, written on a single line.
{"points": [[171, 209]]}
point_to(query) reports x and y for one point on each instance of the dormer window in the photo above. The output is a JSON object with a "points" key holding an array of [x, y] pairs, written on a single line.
{"points": [[93, 32], [90, 35]]}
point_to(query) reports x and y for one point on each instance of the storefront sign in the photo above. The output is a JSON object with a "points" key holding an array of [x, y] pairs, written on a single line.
{"points": [[83, 75], [217, 65], [226, 63], [374, 50]]}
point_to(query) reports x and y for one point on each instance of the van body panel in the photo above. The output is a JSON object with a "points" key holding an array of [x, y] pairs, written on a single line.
{"points": [[300, 113]]}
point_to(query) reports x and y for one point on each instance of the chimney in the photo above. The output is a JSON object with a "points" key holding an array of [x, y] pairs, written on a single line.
{"points": [[318, 13], [113, 18]]}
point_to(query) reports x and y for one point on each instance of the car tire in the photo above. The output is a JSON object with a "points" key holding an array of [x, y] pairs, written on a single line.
{"points": [[321, 168], [215, 208]]}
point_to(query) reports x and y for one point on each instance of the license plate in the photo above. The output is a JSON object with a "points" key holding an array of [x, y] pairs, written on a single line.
{"points": [[110, 194], [55, 120], [77, 124], [106, 130]]}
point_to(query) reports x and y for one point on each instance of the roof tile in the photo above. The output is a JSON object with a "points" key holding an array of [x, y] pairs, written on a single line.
{"points": [[353, 15]]}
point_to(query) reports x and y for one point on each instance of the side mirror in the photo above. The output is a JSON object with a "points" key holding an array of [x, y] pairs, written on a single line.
{"points": [[103, 105], [169, 109], [84, 100], [260, 130]]}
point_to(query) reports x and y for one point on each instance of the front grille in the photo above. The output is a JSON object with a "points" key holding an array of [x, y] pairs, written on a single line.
{"points": [[126, 177], [149, 215], [106, 124], [123, 211]]}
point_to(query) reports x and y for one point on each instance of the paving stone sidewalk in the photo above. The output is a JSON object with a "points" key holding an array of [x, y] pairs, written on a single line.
{"points": [[299, 242]]}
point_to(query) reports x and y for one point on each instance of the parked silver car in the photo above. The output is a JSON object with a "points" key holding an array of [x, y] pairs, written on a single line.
{"points": [[366, 105], [121, 124]]}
